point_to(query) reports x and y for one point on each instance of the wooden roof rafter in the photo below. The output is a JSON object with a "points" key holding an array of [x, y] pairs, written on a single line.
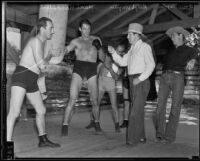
{"points": [[159, 39], [110, 21], [153, 14], [177, 12], [158, 13], [160, 27], [101, 14], [134, 17], [26, 9], [147, 19], [20, 17], [78, 14]]}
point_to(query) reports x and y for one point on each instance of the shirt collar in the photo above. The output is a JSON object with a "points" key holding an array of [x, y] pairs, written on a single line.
{"points": [[138, 43]]}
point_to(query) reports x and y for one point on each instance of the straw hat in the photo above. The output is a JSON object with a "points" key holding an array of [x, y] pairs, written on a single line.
{"points": [[177, 29]]}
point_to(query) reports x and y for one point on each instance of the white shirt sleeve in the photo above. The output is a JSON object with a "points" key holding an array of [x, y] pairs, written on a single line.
{"points": [[122, 61], [149, 62], [115, 69]]}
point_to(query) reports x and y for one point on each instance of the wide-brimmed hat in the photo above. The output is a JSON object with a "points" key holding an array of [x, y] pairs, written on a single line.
{"points": [[177, 29], [135, 27]]}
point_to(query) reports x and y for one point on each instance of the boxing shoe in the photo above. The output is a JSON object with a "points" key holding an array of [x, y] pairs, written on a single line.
{"points": [[124, 124], [117, 128], [45, 142], [98, 129], [64, 131], [91, 125]]}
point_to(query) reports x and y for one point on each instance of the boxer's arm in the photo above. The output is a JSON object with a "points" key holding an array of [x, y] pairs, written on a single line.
{"points": [[38, 54], [70, 47]]}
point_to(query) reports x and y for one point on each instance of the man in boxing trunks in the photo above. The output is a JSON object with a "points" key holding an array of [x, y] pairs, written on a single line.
{"points": [[85, 67], [24, 81]]}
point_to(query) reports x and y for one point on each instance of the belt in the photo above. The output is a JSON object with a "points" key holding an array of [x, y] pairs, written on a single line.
{"points": [[173, 71], [134, 75], [102, 76]]}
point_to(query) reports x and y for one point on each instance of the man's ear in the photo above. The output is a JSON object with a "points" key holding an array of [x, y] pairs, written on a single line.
{"points": [[42, 28], [79, 29], [183, 36]]}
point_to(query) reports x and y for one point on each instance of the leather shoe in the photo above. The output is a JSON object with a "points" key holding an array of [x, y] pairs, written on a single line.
{"points": [[117, 128], [98, 130], [124, 124], [45, 142], [64, 130]]}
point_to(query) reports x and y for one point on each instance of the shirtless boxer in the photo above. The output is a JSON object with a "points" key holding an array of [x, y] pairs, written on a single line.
{"points": [[85, 67], [24, 81]]}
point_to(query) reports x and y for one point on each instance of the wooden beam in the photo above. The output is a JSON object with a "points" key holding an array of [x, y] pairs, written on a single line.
{"points": [[153, 14], [21, 26], [102, 13], [30, 9], [197, 11], [20, 17], [79, 13], [145, 20], [156, 37], [159, 27], [160, 39], [158, 13], [177, 12], [110, 21], [127, 21]]}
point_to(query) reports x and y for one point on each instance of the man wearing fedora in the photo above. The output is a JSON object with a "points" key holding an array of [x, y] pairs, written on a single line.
{"points": [[172, 80], [140, 62]]}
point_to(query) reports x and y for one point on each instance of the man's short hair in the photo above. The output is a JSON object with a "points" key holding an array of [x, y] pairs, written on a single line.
{"points": [[123, 43], [42, 22], [84, 21]]}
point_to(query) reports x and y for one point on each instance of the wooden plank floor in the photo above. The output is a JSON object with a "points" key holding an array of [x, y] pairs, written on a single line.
{"points": [[82, 143]]}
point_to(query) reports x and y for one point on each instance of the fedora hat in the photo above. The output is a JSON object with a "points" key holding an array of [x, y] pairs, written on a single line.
{"points": [[177, 29], [135, 27]]}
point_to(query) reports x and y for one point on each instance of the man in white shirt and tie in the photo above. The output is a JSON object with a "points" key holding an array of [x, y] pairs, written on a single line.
{"points": [[140, 63]]}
